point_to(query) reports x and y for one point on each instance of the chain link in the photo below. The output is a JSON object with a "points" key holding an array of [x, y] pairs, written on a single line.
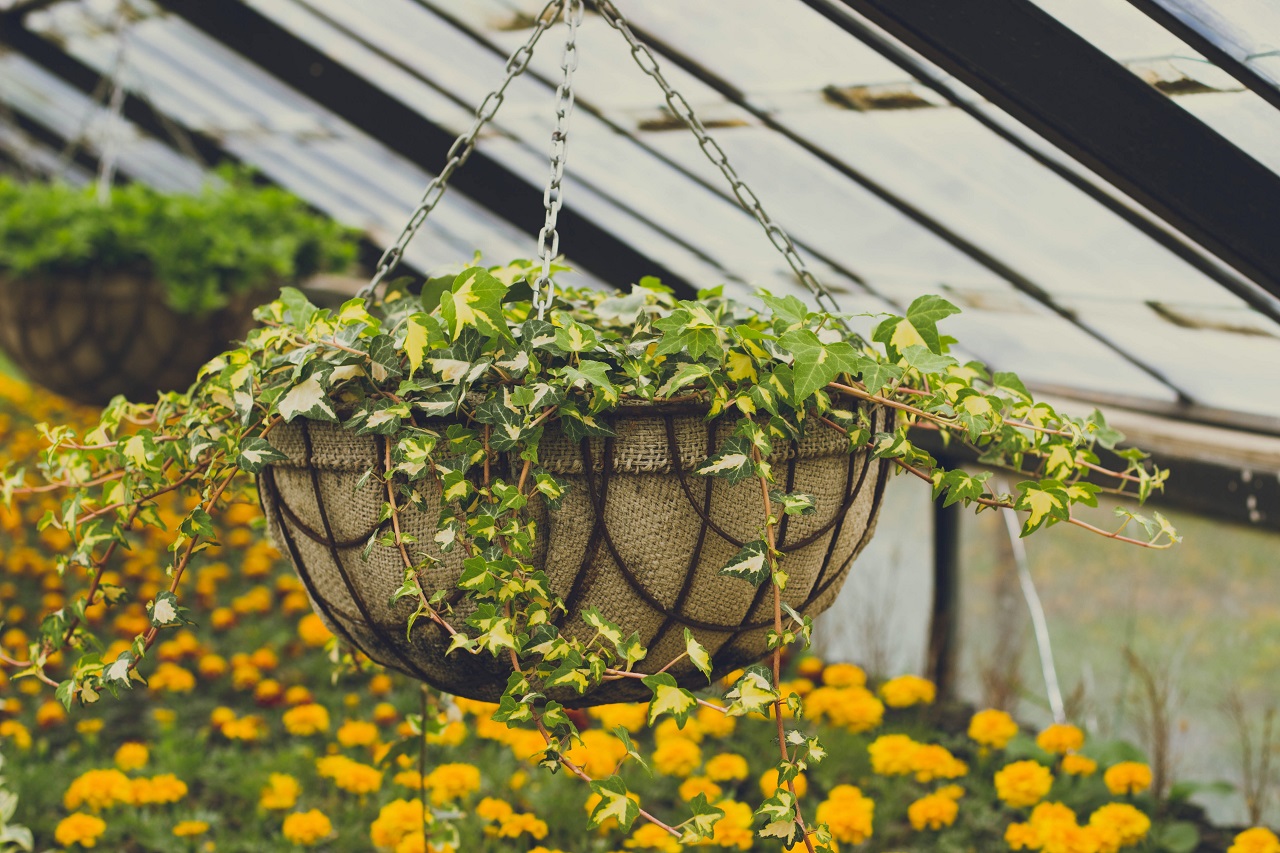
{"points": [[462, 147], [548, 237], [681, 108]]}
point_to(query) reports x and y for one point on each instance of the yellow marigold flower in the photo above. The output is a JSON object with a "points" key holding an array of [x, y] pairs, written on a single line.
{"points": [[1127, 777], [18, 733], [810, 666], [521, 823], [1074, 764], [734, 829], [298, 695], [855, 709], [306, 829], [955, 792], [131, 756], [1022, 836], [525, 745], [98, 790], [312, 631], [280, 793], [769, 783], [1060, 739], [212, 666], [893, 755], [397, 819], [726, 767], [933, 812], [598, 754], [632, 716], [220, 716], [158, 790], [50, 713], [309, 719], [848, 814], [713, 723], [842, 675], [384, 714], [268, 692], [992, 728], [907, 690], [492, 809], [222, 618], [650, 836], [380, 684], [173, 678], [1023, 783], [357, 733], [164, 717], [247, 728], [451, 782], [933, 761], [677, 756], [669, 728], [80, 828], [1256, 840], [189, 828], [351, 776], [1067, 837], [695, 785], [84, 727], [452, 734], [1129, 824]]}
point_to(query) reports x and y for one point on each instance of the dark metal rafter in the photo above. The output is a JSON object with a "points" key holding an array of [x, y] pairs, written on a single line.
{"points": [[1180, 27], [1257, 299], [326, 81], [1062, 87]]}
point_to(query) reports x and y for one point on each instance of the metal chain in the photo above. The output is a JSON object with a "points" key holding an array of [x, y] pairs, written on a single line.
{"points": [[746, 197], [548, 237], [462, 148]]}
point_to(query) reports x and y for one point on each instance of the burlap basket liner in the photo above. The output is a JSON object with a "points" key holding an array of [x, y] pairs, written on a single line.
{"points": [[638, 536], [91, 338]]}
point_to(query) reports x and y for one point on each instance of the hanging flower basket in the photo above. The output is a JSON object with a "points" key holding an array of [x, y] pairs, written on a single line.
{"points": [[91, 338], [637, 537]]}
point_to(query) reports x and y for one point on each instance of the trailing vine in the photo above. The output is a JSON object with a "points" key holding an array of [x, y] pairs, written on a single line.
{"points": [[469, 351]]}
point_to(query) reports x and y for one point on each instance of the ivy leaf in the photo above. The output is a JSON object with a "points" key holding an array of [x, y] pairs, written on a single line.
{"points": [[796, 503], [788, 311], [752, 694], [698, 655], [751, 563], [165, 610], [1046, 501], [415, 341], [475, 301], [703, 823], [307, 399], [876, 375], [575, 337], [925, 360], [732, 461], [594, 374], [669, 698], [960, 485], [257, 453], [816, 363], [614, 803]]}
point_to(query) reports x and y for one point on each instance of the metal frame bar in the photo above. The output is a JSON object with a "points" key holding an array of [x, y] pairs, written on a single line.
{"points": [[329, 83], [1257, 299], [1018, 280], [1065, 89], [1174, 23]]}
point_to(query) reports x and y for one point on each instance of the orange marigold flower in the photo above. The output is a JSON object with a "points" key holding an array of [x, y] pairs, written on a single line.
{"points": [[1122, 823], [521, 823], [907, 690], [451, 782], [650, 836], [1060, 739], [131, 756], [853, 708], [98, 790], [695, 785], [357, 733], [1258, 839], [992, 728], [841, 675], [190, 828], [1074, 764], [1127, 777], [280, 793], [893, 755], [677, 756], [312, 631], [306, 829], [306, 720], [933, 761], [79, 828], [848, 814], [351, 776], [1023, 783], [173, 678], [632, 716], [1022, 836], [726, 767], [396, 820]]}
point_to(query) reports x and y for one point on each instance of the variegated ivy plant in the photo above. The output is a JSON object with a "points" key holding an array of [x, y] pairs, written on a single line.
{"points": [[469, 348]]}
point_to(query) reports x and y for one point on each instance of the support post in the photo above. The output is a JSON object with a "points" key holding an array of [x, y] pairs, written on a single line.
{"points": [[945, 613]]}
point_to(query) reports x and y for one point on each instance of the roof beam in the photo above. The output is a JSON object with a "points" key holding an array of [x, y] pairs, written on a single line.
{"points": [[1058, 84], [402, 129], [1164, 14], [1257, 298]]}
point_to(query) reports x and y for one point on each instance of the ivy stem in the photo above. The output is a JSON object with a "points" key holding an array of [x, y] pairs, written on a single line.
{"points": [[770, 532], [432, 613]]}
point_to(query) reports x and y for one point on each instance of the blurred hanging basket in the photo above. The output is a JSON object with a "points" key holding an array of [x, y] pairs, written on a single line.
{"points": [[90, 338], [638, 537]]}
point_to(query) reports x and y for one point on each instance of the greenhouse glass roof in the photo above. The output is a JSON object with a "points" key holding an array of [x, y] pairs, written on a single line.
{"points": [[1092, 181]]}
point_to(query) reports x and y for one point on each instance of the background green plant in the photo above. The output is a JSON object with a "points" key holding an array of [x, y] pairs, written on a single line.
{"points": [[231, 237]]}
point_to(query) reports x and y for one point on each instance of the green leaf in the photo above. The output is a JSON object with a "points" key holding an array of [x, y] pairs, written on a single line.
{"points": [[475, 301], [257, 453], [307, 399], [817, 364], [732, 461], [788, 310], [669, 698], [698, 655], [1045, 501], [614, 803], [703, 823], [752, 694], [751, 563]]}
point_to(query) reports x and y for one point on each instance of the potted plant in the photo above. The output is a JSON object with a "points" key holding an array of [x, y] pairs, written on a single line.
{"points": [[132, 296], [628, 495]]}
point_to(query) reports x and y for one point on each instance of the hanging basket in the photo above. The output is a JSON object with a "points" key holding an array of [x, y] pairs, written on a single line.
{"points": [[91, 338], [638, 536]]}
